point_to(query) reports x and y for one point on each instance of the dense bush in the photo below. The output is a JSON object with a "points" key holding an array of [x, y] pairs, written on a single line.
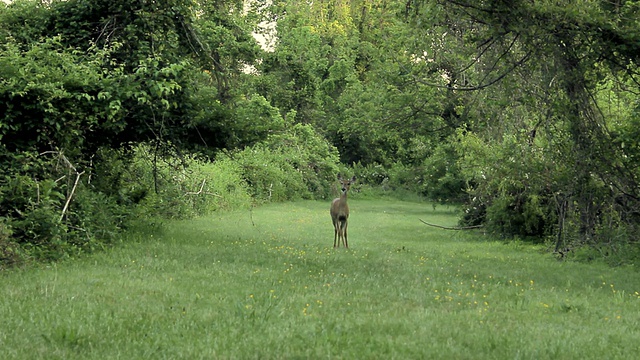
{"points": [[48, 209], [222, 185], [503, 192], [437, 177], [170, 185], [297, 163], [136, 111], [441, 178], [52, 209], [10, 252]]}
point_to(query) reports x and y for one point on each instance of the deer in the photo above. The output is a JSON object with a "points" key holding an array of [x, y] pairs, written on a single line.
{"points": [[340, 213]]}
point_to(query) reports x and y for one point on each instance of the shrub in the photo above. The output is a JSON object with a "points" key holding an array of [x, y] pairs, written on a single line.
{"points": [[51, 209], [48, 210], [270, 174], [172, 186], [372, 174], [441, 179], [10, 254], [221, 188], [297, 163]]}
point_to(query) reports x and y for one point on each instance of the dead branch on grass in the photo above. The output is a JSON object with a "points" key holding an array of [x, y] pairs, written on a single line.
{"points": [[452, 228]]}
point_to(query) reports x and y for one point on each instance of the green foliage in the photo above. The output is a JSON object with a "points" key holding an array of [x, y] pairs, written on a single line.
{"points": [[441, 178], [45, 95], [254, 120], [558, 162], [297, 163], [435, 176], [166, 185], [524, 111], [10, 252], [22, 20], [270, 174], [510, 193], [48, 211], [371, 174], [224, 189], [79, 100], [118, 72], [393, 178], [114, 75]]}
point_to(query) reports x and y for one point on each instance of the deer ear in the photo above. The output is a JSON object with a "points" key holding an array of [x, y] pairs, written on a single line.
{"points": [[339, 177], [353, 178]]}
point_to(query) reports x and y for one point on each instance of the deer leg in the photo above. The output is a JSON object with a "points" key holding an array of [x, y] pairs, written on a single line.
{"points": [[346, 243], [340, 232], [335, 235]]}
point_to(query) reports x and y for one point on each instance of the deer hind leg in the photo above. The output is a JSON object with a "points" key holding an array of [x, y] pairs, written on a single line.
{"points": [[336, 228], [344, 234]]}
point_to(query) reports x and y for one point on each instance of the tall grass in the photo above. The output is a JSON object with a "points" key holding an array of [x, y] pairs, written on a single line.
{"points": [[267, 283]]}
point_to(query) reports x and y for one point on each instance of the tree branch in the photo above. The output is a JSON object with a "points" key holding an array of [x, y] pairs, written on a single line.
{"points": [[481, 86], [201, 192], [73, 190], [452, 228]]}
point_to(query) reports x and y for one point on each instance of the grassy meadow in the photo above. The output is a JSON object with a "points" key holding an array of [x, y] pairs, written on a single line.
{"points": [[268, 284]]}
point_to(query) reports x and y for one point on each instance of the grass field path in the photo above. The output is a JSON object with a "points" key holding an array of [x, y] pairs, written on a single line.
{"points": [[267, 284]]}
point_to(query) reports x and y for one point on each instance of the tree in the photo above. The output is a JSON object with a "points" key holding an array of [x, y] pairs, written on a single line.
{"points": [[560, 57], [80, 79], [344, 67]]}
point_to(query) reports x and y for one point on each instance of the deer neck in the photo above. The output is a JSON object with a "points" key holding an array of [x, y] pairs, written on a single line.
{"points": [[343, 199]]}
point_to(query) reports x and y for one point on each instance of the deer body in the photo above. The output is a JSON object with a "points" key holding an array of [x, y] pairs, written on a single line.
{"points": [[340, 213]]}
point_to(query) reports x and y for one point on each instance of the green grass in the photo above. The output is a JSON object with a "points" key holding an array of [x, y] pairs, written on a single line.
{"points": [[268, 284]]}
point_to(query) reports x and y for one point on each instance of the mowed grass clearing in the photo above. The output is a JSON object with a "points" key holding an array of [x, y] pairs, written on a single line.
{"points": [[268, 284]]}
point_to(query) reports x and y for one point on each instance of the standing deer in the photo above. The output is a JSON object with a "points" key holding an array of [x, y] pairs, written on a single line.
{"points": [[340, 213]]}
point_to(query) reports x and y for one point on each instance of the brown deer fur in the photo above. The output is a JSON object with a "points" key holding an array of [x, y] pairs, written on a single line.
{"points": [[340, 213]]}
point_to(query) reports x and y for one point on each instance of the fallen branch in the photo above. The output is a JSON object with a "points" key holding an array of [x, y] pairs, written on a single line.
{"points": [[66, 205], [201, 192], [452, 228], [69, 166], [63, 158]]}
